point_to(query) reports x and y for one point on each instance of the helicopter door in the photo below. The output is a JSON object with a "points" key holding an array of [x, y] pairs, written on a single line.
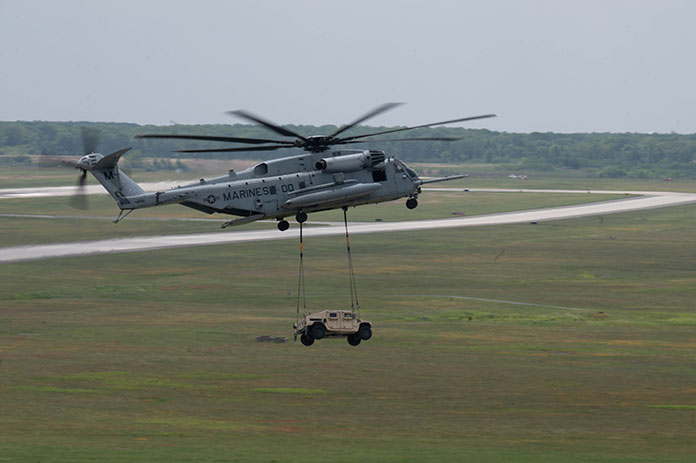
{"points": [[268, 203]]}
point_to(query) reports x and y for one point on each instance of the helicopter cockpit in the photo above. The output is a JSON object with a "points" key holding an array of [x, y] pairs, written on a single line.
{"points": [[400, 166]]}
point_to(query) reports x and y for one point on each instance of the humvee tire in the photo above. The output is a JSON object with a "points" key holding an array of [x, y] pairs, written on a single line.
{"points": [[353, 339], [365, 332], [318, 331], [306, 340]]}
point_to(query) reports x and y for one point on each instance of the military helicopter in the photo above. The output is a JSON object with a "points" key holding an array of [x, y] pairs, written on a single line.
{"points": [[318, 179]]}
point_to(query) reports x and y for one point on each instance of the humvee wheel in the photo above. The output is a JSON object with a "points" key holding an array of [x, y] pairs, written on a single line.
{"points": [[353, 339], [306, 340], [318, 331], [364, 332]]}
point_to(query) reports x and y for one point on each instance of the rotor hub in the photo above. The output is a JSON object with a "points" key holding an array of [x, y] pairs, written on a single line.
{"points": [[317, 143], [88, 161]]}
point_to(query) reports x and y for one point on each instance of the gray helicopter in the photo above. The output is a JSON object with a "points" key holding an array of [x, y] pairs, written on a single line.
{"points": [[319, 179]]}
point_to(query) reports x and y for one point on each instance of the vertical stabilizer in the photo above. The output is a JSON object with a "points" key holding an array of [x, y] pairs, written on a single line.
{"points": [[105, 170]]}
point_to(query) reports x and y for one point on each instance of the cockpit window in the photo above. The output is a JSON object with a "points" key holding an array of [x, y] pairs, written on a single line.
{"points": [[410, 172]]}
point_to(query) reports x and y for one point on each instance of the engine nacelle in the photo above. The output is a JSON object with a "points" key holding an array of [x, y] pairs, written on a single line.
{"points": [[349, 163]]}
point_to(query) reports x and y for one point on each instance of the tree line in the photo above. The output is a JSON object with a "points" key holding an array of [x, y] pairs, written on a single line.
{"points": [[601, 154]]}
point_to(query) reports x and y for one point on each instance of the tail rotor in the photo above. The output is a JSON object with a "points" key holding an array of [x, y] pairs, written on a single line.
{"points": [[79, 199], [90, 141]]}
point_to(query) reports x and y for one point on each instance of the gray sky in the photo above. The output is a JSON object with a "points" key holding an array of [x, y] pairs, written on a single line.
{"points": [[562, 66]]}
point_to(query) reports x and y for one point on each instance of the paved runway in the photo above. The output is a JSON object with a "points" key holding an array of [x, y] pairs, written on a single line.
{"points": [[648, 200]]}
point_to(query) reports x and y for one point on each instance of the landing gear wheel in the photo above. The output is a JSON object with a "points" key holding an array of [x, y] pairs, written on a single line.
{"points": [[306, 340], [353, 339], [318, 331], [283, 225], [364, 332], [412, 203], [301, 217]]}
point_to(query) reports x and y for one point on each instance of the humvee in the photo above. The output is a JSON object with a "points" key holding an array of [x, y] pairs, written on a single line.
{"points": [[333, 323]]}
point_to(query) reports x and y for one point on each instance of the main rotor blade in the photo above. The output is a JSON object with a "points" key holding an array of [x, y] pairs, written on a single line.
{"points": [[399, 139], [269, 125], [373, 113], [417, 127], [90, 139], [214, 138], [250, 148]]}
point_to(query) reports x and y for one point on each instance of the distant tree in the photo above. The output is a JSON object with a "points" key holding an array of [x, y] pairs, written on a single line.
{"points": [[624, 154], [612, 172], [14, 134]]}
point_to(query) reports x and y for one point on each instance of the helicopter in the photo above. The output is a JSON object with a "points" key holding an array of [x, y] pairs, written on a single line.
{"points": [[319, 179]]}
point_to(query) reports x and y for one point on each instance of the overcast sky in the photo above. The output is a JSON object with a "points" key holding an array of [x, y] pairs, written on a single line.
{"points": [[561, 66]]}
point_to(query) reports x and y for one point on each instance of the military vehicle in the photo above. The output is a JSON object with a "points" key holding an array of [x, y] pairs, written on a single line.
{"points": [[319, 179], [332, 324]]}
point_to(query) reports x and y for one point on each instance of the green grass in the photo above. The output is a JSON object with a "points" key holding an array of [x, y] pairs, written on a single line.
{"points": [[25, 177], [291, 390], [675, 407], [152, 356]]}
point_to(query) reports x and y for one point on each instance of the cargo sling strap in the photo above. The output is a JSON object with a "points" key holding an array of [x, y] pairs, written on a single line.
{"points": [[301, 283], [354, 304], [352, 288]]}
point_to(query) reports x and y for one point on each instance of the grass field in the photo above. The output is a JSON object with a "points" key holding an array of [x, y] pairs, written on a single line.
{"points": [[151, 356]]}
